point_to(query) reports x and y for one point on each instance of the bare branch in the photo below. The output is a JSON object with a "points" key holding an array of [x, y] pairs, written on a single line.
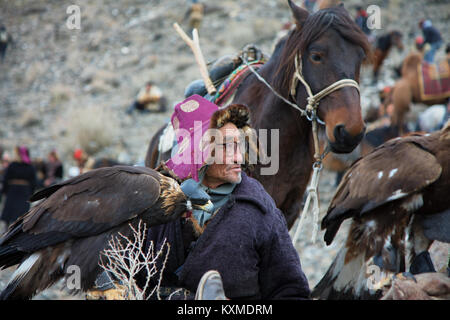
{"points": [[126, 257]]}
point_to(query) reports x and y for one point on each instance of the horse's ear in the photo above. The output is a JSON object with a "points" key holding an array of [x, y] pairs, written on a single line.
{"points": [[299, 13]]}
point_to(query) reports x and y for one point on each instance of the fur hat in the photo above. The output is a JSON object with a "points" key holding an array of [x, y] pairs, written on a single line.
{"points": [[238, 114]]}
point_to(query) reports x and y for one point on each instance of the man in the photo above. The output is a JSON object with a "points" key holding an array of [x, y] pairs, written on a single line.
{"points": [[53, 169], [83, 160], [361, 20], [432, 37], [195, 13], [245, 237], [149, 99]]}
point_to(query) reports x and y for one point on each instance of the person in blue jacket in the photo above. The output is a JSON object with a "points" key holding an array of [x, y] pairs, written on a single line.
{"points": [[433, 37]]}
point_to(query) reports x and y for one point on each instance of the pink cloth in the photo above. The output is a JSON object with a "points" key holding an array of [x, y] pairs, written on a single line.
{"points": [[24, 155], [190, 121]]}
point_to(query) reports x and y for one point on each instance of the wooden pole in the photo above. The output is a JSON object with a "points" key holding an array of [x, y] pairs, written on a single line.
{"points": [[194, 44]]}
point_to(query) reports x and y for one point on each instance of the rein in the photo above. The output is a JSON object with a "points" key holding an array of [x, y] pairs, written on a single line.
{"points": [[310, 112]]}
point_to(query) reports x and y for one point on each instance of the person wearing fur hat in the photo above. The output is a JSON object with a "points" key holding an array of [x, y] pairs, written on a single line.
{"points": [[240, 248]]}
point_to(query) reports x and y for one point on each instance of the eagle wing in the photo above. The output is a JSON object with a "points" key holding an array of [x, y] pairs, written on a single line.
{"points": [[84, 206], [390, 172]]}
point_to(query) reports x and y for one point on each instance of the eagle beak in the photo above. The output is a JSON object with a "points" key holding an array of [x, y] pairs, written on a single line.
{"points": [[206, 206]]}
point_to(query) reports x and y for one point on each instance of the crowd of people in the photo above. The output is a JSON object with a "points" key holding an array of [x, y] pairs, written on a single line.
{"points": [[21, 176]]}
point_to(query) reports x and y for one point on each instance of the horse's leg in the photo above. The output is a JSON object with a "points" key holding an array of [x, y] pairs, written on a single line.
{"points": [[292, 206], [151, 157], [378, 61]]}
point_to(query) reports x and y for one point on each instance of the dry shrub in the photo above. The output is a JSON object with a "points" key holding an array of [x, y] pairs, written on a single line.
{"points": [[60, 93], [90, 128], [125, 257]]}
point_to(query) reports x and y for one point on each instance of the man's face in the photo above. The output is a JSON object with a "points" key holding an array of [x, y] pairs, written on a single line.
{"points": [[228, 159]]}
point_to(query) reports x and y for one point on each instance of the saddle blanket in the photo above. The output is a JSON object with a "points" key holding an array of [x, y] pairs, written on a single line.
{"points": [[228, 88], [434, 80]]}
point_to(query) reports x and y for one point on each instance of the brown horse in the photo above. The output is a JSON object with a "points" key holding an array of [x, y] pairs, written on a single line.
{"points": [[332, 47], [383, 47], [407, 89]]}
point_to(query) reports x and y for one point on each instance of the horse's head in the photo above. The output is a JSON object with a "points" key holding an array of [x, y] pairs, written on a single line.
{"points": [[396, 39], [332, 48]]}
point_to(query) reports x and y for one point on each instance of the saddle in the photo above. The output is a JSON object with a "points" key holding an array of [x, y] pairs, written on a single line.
{"points": [[227, 73], [434, 80]]}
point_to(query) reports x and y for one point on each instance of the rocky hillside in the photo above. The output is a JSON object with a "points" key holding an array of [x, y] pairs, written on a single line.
{"points": [[58, 85], [57, 82], [63, 89]]}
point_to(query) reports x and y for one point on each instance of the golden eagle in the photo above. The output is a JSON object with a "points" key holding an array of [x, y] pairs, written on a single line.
{"points": [[399, 202], [74, 221]]}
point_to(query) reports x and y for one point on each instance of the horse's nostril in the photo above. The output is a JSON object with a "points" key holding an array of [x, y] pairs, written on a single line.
{"points": [[340, 132], [342, 136]]}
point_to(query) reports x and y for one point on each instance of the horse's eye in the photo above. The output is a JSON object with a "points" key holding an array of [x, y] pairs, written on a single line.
{"points": [[316, 57]]}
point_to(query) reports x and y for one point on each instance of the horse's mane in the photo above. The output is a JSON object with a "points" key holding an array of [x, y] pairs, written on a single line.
{"points": [[315, 25]]}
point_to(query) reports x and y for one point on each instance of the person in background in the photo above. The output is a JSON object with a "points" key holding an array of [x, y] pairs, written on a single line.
{"points": [[149, 99], [83, 160], [39, 165], [19, 183], [432, 37], [361, 20], [5, 161], [195, 14], [310, 5], [53, 169], [5, 38], [419, 43], [1, 172]]}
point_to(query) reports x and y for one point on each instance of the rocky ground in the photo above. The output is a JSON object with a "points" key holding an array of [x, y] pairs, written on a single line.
{"points": [[64, 89]]}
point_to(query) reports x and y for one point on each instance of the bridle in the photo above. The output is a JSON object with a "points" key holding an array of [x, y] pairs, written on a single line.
{"points": [[310, 112]]}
